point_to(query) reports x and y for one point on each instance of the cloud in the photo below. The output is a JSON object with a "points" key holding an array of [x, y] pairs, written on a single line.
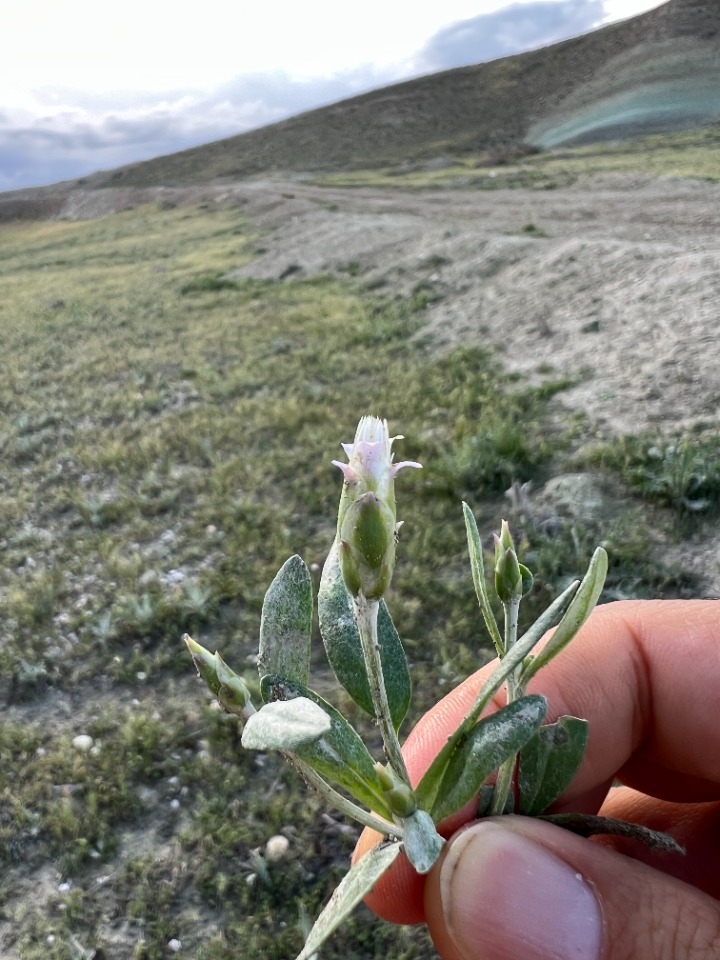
{"points": [[519, 27], [51, 134], [65, 133]]}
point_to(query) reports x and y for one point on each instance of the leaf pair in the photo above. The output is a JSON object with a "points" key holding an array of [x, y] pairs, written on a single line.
{"points": [[336, 753]]}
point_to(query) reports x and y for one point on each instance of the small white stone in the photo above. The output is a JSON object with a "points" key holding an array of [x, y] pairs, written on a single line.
{"points": [[82, 741], [64, 887], [41, 751], [174, 945], [276, 848], [141, 675], [175, 804], [50, 939]]}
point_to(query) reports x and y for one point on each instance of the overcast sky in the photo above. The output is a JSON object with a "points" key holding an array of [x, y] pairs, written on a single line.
{"points": [[88, 87]]}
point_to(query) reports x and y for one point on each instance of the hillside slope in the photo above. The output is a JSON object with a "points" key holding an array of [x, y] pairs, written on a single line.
{"points": [[652, 73]]}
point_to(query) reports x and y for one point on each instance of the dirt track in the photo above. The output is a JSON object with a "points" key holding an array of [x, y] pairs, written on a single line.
{"points": [[623, 292], [614, 282]]}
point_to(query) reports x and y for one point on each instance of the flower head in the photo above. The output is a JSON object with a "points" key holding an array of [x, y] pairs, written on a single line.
{"points": [[367, 523]]}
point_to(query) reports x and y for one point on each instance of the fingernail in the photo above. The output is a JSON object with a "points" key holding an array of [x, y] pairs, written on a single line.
{"points": [[505, 897]]}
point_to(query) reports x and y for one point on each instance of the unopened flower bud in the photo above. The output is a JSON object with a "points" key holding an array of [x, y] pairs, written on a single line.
{"points": [[232, 694], [508, 579], [399, 796], [367, 523], [512, 579], [205, 664]]}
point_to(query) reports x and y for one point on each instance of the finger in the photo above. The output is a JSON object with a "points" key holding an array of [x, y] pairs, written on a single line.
{"points": [[520, 889], [646, 674]]}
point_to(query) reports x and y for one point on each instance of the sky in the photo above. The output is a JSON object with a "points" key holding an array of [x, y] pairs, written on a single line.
{"points": [[88, 87]]}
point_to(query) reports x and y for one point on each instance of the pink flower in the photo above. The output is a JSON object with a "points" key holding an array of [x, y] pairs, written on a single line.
{"points": [[367, 523]]}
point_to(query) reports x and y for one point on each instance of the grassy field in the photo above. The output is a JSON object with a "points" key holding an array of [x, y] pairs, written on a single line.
{"points": [[166, 438], [690, 154]]}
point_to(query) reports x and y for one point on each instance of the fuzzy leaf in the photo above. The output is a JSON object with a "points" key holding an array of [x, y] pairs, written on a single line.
{"points": [[354, 887], [548, 763], [487, 745], [285, 726], [577, 613], [339, 755], [478, 573], [344, 650], [423, 844], [286, 624]]}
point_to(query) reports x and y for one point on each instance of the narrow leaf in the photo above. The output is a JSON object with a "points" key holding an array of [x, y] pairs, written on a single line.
{"points": [[492, 741], [344, 650], [589, 825], [423, 844], [339, 755], [548, 763], [478, 574], [286, 624], [577, 613], [354, 887], [285, 726], [428, 788]]}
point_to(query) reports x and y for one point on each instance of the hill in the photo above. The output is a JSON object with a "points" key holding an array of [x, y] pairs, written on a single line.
{"points": [[650, 74]]}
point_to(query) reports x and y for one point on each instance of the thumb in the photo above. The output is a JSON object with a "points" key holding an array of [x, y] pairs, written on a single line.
{"points": [[520, 889]]}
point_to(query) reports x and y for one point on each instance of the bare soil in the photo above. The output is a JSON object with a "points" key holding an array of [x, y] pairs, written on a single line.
{"points": [[614, 282]]}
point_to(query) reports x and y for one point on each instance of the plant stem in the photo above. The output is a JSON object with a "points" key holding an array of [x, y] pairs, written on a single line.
{"points": [[504, 782], [366, 615], [341, 803]]}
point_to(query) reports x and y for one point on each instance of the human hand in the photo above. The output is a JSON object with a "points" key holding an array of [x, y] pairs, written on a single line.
{"points": [[646, 674]]}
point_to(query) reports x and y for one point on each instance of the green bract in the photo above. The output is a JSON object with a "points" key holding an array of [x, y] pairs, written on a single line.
{"points": [[529, 763]]}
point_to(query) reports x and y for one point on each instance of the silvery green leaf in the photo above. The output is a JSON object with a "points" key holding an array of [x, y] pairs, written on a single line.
{"points": [[354, 887], [286, 624], [423, 844], [489, 744], [548, 763], [516, 655], [485, 801], [285, 725], [339, 754], [478, 574], [344, 650], [577, 613]]}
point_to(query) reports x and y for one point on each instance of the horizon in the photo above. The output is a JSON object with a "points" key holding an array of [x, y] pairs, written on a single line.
{"points": [[82, 113]]}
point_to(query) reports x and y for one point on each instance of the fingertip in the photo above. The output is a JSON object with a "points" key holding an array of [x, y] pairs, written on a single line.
{"points": [[398, 894]]}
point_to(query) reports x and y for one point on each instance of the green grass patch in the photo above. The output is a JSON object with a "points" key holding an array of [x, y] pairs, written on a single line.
{"points": [[691, 154]]}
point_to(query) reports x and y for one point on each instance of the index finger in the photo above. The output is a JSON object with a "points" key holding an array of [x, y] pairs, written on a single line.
{"points": [[646, 675]]}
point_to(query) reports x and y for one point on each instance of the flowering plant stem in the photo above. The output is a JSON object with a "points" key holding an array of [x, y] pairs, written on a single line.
{"points": [[504, 782], [366, 616], [341, 803]]}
